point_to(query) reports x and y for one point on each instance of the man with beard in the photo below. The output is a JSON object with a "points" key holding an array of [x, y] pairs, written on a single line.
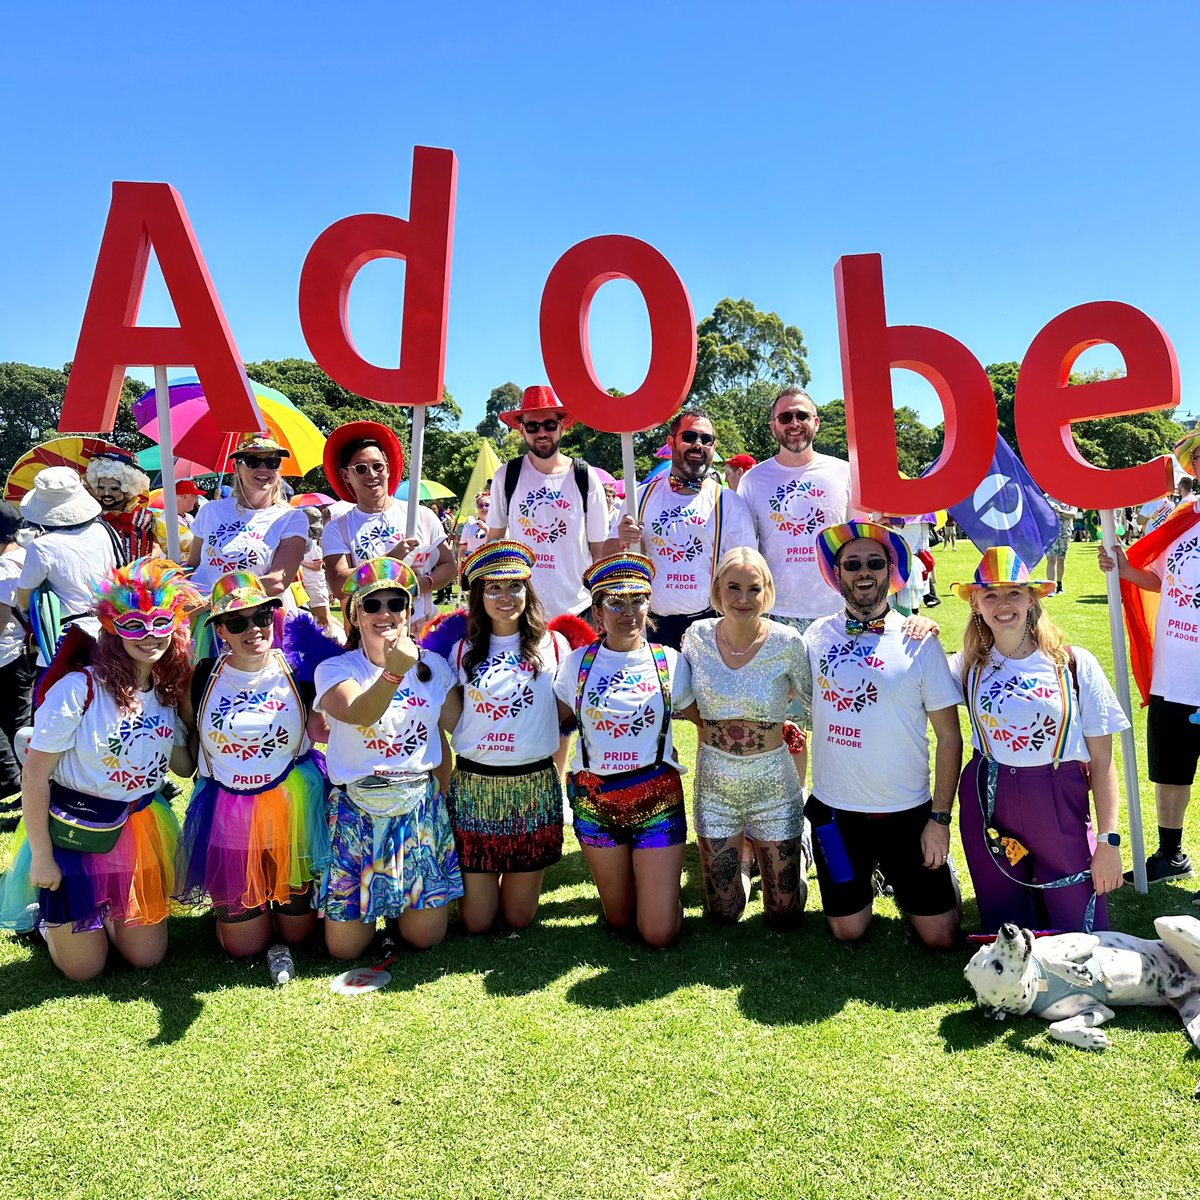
{"points": [[875, 691], [123, 493], [550, 503], [791, 498], [685, 521]]}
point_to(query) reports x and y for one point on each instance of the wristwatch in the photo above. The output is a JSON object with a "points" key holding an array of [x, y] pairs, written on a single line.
{"points": [[1110, 839], [941, 818]]}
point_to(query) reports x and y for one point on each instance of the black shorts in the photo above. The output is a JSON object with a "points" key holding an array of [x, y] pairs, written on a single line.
{"points": [[1172, 742], [890, 841]]}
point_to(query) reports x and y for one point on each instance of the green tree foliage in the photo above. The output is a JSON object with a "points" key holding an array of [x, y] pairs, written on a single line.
{"points": [[31, 401], [506, 396], [739, 346]]}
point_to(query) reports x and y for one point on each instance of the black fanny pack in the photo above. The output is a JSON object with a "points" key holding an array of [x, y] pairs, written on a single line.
{"points": [[90, 824]]}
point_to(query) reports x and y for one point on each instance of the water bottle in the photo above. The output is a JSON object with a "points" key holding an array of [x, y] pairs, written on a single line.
{"points": [[279, 963]]}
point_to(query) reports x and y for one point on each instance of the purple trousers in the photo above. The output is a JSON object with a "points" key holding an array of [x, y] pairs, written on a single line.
{"points": [[1046, 809]]}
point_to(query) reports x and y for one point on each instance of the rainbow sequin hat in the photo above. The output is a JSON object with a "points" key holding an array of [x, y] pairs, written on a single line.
{"points": [[498, 560], [261, 444], [378, 574], [621, 575], [1185, 448], [833, 537], [1001, 565], [238, 590]]}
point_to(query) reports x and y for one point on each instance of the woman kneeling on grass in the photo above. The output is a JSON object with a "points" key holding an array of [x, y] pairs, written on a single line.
{"points": [[392, 846], [625, 788], [505, 795], [744, 670], [255, 835], [1041, 714], [98, 859]]}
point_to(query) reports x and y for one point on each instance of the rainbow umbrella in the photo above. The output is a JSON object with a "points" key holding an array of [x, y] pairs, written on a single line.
{"points": [[196, 436], [59, 452], [430, 490], [311, 500]]}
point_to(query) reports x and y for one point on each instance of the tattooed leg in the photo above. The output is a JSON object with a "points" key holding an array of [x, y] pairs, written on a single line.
{"points": [[785, 890], [726, 886]]}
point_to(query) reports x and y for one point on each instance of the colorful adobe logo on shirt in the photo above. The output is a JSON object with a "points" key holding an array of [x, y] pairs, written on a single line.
{"points": [[671, 536], [483, 689], [1008, 729], [120, 745], [623, 689], [850, 660], [542, 516], [796, 508], [1183, 557], [377, 537]]}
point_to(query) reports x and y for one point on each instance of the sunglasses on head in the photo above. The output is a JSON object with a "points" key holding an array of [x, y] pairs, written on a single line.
{"points": [[375, 468], [254, 461], [874, 563], [691, 436], [549, 425], [374, 604], [240, 622], [786, 418]]}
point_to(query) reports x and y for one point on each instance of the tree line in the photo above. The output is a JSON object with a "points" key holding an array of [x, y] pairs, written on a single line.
{"points": [[744, 358]]}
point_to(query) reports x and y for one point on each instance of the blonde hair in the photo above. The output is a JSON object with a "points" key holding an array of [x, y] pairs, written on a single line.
{"points": [[978, 639], [742, 556], [277, 496]]}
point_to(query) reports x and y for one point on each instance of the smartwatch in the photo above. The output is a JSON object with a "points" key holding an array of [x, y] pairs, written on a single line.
{"points": [[1110, 839], [941, 818]]}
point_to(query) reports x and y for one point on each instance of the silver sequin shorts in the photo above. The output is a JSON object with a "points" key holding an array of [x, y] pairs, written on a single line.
{"points": [[756, 793]]}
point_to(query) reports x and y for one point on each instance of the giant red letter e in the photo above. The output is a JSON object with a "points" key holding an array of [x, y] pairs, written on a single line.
{"points": [[146, 216]]}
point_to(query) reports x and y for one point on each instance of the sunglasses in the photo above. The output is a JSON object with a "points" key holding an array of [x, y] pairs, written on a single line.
{"points": [[374, 468], [240, 622], [874, 563], [691, 436], [495, 591], [255, 461], [549, 425], [135, 626], [786, 418], [627, 606], [374, 604]]}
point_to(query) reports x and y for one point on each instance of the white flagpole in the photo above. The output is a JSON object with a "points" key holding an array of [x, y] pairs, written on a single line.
{"points": [[166, 450], [416, 456], [1116, 631], [630, 469]]}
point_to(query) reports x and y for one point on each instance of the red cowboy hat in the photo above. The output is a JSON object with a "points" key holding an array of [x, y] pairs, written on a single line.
{"points": [[343, 435], [536, 401]]}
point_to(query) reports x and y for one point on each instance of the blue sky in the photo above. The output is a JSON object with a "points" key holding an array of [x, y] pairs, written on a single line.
{"points": [[1008, 161]]}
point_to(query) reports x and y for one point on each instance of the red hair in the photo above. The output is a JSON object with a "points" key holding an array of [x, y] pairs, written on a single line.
{"points": [[116, 672]]}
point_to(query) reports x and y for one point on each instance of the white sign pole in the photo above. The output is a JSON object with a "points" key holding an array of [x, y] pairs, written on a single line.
{"points": [[416, 457], [1116, 631], [166, 449], [630, 468]]}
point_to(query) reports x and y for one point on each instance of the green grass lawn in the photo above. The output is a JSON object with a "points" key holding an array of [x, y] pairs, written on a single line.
{"points": [[571, 1062]]}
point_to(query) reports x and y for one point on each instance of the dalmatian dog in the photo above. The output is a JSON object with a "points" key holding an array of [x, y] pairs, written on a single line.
{"points": [[1073, 979]]}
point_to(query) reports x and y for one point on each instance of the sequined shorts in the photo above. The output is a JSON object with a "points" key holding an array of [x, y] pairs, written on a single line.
{"points": [[757, 793], [642, 809]]}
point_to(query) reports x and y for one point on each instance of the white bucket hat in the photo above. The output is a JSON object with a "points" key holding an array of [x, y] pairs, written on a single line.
{"points": [[58, 499]]}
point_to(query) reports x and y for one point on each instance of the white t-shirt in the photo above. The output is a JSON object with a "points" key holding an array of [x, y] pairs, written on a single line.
{"points": [[546, 516], [405, 740], [1176, 667], [242, 539], [622, 709], [871, 694], [251, 726], [12, 636], [790, 506], [71, 561], [364, 536], [1020, 708], [472, 536], [679, 533], [509, 715], [104, 752]]}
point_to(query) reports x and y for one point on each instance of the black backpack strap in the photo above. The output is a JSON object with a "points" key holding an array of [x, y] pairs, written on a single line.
{"points": [[582, 480], [512, 473], [200, 678], [1073, 667]]}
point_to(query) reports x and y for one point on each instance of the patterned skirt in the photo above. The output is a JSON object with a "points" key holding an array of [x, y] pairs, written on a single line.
{"points": [[506, 819], [382, 866]]}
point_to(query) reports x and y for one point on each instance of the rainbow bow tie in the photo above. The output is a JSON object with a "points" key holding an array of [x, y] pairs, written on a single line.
{"points": [[875, 626]]}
